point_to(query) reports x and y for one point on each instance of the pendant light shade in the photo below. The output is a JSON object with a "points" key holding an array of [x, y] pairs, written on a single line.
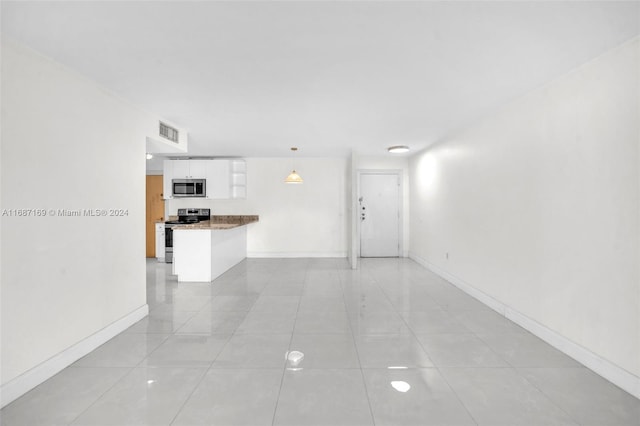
{"points": [[293, 177]]}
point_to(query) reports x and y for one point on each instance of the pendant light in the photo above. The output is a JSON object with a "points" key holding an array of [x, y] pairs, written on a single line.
{"points": [[293, 176]]}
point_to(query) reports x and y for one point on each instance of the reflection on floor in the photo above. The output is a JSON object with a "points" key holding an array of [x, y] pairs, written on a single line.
{"points": [[309, 341]]}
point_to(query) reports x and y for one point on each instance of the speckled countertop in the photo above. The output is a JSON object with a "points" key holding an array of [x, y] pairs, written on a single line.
{"points": [[220, 222]]}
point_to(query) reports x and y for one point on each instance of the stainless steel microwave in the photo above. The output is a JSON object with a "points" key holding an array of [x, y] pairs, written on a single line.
{"points": [[189, 187]]}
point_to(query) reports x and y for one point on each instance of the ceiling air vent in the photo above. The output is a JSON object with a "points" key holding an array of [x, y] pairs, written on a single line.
{"points": [[168, 132]]}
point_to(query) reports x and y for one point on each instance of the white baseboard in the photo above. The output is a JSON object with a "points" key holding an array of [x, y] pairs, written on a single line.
{"points": [[269, 254], [28, 380], [613, 373]]}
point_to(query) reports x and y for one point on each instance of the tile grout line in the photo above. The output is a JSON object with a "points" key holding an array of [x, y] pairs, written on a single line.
{"points": [[364, 382], [204, 375], [131, 369], [552, 401], [284, 369], [439, 370], [102, 394], [436, 367], [209, 368], [509, 366]]}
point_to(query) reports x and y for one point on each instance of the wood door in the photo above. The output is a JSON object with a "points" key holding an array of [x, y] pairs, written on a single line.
{"points": [[155, 211]]}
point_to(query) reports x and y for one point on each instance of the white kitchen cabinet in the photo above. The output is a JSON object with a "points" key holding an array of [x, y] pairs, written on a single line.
{"points": [[167, 175], [198, 169], [179, 169], [218, 179], [202, 255], [189, 169], [226, 179], [160, 242], [238, 179]]}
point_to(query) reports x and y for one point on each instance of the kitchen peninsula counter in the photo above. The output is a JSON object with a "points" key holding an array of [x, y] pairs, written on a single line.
{"points": [[220, 222], [205, 250]]}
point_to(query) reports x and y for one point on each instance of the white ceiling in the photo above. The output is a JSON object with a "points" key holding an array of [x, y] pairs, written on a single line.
{"points": [[255, 78]]}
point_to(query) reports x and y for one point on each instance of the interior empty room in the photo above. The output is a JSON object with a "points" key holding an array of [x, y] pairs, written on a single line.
{"points": [[320, 213]]}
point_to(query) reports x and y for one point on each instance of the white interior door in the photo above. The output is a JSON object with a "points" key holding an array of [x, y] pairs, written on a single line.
{"points": [[379, 213]]}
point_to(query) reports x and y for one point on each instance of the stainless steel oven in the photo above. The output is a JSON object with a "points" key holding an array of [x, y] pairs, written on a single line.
{"points": [[185, 217]]}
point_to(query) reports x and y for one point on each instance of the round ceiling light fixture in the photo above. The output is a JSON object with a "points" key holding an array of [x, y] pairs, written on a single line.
{"points": [[398, 149], [149, 156]]}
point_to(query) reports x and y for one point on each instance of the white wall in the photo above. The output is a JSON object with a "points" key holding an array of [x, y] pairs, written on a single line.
{"points": [[351, 206], [538, 208], [66, 144], [307, 220]]}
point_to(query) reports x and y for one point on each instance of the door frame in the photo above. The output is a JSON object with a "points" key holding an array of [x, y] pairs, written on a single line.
{"points": [[397, 172]]}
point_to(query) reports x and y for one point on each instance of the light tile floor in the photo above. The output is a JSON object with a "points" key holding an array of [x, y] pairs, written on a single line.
{"points": [[387, 344]]}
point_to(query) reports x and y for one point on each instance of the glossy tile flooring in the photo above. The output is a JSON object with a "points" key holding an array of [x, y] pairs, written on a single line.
{"points": [[311, 342]]}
